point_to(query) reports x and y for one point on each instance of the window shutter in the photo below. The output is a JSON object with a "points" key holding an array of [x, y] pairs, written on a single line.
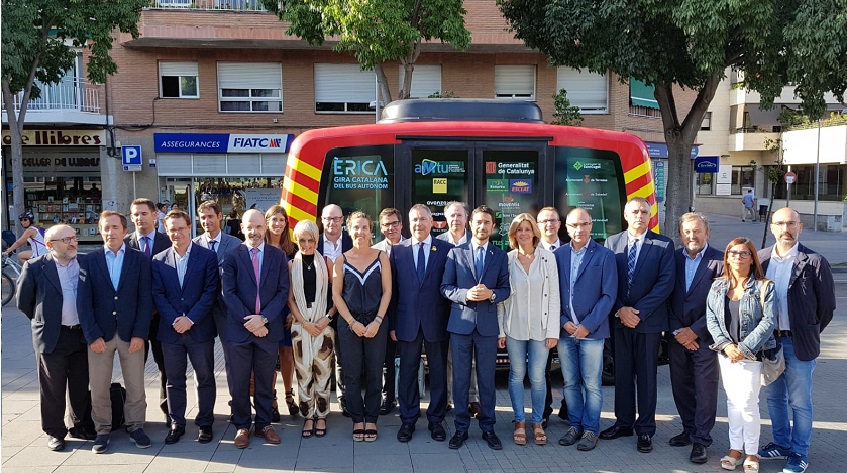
{"points": [[178, 69], [514, 80], [426, 80], [344, 83], [586, 90], [249, 75]]}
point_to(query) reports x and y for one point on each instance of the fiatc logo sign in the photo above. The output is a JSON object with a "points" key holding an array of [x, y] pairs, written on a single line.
{"points": [[520, 186], [428, 166], [221, 143]]}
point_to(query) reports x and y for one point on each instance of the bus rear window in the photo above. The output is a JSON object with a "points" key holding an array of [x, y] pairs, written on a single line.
{"points": [[358, 178], [593, 180]]}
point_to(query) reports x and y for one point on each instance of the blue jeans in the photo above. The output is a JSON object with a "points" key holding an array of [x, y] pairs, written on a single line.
{"points": [[519, 352], [582, 369], [792, 389]]}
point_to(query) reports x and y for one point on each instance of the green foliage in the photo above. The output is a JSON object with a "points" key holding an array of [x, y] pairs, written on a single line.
{"points": [[442, 94], [41, 37], [375, 31], [564, 113]]}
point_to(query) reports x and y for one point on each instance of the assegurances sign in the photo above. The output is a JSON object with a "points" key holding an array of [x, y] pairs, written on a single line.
{"points": [[222, 143]]}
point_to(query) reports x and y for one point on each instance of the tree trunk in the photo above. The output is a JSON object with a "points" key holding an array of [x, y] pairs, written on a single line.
{"points": [[384, 90], [406, 88], [16, 120]]}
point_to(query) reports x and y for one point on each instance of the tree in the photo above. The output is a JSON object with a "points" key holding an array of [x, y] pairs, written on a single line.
{"points": [[690, 43], [41, 40], [563, 112], [377, 31]]}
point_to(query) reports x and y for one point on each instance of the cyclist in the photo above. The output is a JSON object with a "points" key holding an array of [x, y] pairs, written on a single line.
{"points": [[33, 234]]}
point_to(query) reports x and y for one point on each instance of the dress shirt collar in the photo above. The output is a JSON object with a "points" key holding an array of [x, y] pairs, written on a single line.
{"points": [[699, 255], [120, 251], [792, 253]]}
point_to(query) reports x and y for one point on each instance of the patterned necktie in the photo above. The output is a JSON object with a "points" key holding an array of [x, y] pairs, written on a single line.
{"points": [[146, 246], [552, 247], [421, 267], [212, 244], [480, 263], [630, 262], [255, 260]]}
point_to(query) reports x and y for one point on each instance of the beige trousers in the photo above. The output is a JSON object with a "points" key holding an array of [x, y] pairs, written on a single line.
{"points": [[100, 379], [313, 365]]}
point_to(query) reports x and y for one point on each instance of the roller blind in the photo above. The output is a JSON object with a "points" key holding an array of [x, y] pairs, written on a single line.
{"points": [[426, 80], [178, 68], [514, 80], [586, 90], [249, 75], [344, 83]]}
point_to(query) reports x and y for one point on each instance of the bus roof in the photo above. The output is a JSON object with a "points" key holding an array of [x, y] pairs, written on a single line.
{"points": [[496, 110]]}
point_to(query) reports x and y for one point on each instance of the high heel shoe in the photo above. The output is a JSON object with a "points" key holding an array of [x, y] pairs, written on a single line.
{"points": [[292, 406]]}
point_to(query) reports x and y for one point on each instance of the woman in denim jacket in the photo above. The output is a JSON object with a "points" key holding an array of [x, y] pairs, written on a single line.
{"points": [[741, 316]]}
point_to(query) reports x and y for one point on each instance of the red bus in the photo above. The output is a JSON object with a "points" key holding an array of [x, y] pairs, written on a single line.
{"points": [[494, 152]]}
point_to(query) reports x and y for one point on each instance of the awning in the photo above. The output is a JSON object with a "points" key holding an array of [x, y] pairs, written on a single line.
{"points": [[642, 94]]}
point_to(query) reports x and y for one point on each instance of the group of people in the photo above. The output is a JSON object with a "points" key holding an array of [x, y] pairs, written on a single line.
{"points": [[333, 305]]}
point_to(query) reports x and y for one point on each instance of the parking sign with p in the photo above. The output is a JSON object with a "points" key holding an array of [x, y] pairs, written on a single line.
{"points": [[131, 157]]}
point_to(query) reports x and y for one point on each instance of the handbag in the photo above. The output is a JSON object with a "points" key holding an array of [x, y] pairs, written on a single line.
{"points": [[773, 361]]}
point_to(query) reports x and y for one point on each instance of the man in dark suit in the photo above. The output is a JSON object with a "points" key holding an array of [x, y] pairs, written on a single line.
{"points": [[418, 318], [46, 294], [114, 302], [146, 239], [588, 284], [476, 278], [646, 273], [693, 365], [255, 287], [210, 215], [186, 284], [332, 243]]}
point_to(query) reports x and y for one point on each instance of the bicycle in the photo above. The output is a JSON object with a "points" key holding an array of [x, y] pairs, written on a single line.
{"points": [[10, 265]]}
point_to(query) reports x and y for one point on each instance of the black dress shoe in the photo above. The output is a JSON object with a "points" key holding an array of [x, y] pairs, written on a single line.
{"points": [[205, 435], [387, 406], [174, 434], [55, 444], [82, 433], [458, 439], [491, 439], [699, 455], [406, 431], [437, 431], [645, 444], [681, 440], [615, 432]]}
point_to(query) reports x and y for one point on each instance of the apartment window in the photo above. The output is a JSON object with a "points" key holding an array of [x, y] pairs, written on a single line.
{"points": [[426, 80], [250, 86], [344, 88], [178, 79], [586, 90], [514, 81], [707, 122]]}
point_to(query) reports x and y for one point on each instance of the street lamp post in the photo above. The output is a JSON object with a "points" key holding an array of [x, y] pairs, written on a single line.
{"points": [[817, 175]]}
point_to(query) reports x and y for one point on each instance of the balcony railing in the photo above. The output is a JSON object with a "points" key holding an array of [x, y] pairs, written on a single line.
{"points": [[644, 112], [71, 95], [230, 5]]}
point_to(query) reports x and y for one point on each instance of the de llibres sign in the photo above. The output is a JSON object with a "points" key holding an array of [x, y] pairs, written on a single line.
{"points": [[221, 143]]}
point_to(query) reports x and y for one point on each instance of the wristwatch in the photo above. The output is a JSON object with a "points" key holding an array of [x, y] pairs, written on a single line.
{"points": [[265, 320], [493, 297]]}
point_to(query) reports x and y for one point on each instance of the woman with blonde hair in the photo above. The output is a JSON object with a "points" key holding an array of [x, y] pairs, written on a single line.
{"points": [[361, 291], [312, 336], [740, 315], [279, 235], [529, 322]]}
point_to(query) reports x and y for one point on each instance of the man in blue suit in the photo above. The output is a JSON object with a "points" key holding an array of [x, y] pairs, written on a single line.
{"points": [[114, 303], [693, 365], [186, 284], [255, 287], [210, 215], [476, 278], [418, 318], [646, 273], [47, 290], [588, 283]]}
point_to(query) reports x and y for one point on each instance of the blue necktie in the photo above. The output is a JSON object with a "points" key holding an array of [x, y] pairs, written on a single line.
{"points": [[630, 262], [212, 244], [480, 263], [421, 267], [146, 245]]}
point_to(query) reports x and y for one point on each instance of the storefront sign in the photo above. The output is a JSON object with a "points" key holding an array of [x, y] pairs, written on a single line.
{"points": [[660, 150], [58, 137], [221, 143], [262, 199]]}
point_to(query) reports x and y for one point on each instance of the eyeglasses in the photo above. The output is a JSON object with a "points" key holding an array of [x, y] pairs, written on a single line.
{"points": [[395, 223], [332, 219], [740, 254], [66, 240], [789, 224], [551, 221], [579, 224]]}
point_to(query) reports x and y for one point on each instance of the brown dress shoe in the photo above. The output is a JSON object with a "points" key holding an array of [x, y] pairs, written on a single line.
{"points": [[269, 434], [242, 438]]}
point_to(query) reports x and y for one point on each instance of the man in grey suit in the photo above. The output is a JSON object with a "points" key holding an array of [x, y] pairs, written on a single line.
{"points": [[47, 296], [210, 215], [457, 233]]}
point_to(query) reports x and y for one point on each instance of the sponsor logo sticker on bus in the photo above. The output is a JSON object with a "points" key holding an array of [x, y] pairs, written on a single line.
{"points": [[520, 186], [428, 166], [439, 185], [497, 185]]}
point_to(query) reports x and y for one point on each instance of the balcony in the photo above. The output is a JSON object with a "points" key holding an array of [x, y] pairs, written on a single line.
{"points": [[752, 138], [229, 5], [70, 102]]}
